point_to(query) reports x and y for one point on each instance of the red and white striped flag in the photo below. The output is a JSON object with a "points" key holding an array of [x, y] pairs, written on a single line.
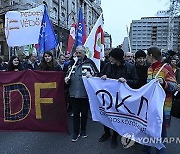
{"points": [[72, 37]]}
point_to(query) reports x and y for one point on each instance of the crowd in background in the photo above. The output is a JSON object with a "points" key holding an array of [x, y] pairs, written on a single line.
{"points": [[134, 68]]}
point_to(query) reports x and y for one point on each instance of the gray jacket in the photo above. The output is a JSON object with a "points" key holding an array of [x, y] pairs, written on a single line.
{"points": [[83, 67]]}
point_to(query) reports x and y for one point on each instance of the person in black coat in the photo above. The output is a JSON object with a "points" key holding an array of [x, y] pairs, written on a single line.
{"points": [[48, 63], [141, 67], [123, 71], [31, 63], [62, 64], [3, 65], [14, 64]]}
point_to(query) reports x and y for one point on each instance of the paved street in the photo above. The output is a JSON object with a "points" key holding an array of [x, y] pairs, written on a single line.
{"points": [[57, 143]]}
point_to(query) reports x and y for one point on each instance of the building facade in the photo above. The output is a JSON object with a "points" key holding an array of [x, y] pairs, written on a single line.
{"points": [[62, 13], [153, 31], [107, 41], [125, 45]]}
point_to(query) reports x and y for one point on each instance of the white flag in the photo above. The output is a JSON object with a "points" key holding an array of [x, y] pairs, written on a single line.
{"points": [[133, 113], [23, 27], [95, 43]]}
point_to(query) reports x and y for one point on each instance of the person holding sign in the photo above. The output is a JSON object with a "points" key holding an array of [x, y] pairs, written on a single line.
{"points": [[123, 71], [166, 77]]}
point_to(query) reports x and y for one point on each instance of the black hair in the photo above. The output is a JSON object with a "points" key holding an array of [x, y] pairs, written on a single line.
{"points": [[47, 66], [11, 66]]}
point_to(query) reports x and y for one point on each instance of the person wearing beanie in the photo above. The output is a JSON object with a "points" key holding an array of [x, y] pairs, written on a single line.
{"points": [[117, 54], [123, 71], [140, 53], [141, 67]]}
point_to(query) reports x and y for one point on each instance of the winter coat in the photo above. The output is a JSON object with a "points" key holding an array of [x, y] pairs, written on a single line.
{"points": [[169, 86], [126, 70], [142, 74], [29, 65], [76, 87]]}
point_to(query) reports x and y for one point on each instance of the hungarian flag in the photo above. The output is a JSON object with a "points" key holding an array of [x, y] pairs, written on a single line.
{"points": [[72, 37], [95, 43]]}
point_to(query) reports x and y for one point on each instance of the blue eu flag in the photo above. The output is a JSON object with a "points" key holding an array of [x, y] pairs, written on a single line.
{"points": [[47, 37], [81, 30]]}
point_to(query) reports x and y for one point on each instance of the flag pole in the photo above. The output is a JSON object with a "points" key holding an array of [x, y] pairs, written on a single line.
{"points": [[9, 50], [60, 51], [128, 38], [75, 59]]}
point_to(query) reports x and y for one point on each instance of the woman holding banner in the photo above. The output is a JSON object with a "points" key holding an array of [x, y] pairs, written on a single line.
{"points": [[166, 77]]}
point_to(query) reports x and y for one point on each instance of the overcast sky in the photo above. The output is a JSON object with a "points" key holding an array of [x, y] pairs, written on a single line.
{"points": [[119, 13]]}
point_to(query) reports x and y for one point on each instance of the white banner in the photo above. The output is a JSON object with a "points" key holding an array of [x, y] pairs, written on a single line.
{"points": [[23, 27], [138, 112]]}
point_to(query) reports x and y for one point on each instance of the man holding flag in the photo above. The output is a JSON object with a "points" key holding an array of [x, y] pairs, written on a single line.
{"points": [[79, 99]]}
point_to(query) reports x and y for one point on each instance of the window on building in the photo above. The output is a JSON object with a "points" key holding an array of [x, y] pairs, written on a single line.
{"points": [[11, 2], [73, 6], [34, 1], [73, 20], [63, 16], [89, 21], [54, 14], [62, 2]]}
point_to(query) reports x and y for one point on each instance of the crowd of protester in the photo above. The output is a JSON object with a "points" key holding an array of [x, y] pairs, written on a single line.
{"points": [[136, 69]]}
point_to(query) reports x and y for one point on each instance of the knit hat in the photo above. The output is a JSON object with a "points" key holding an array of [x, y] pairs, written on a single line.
{"points": [[140, 53], [117, 54]]}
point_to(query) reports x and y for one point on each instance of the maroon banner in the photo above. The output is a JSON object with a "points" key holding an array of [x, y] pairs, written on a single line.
{"points": [[32, 101]]}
